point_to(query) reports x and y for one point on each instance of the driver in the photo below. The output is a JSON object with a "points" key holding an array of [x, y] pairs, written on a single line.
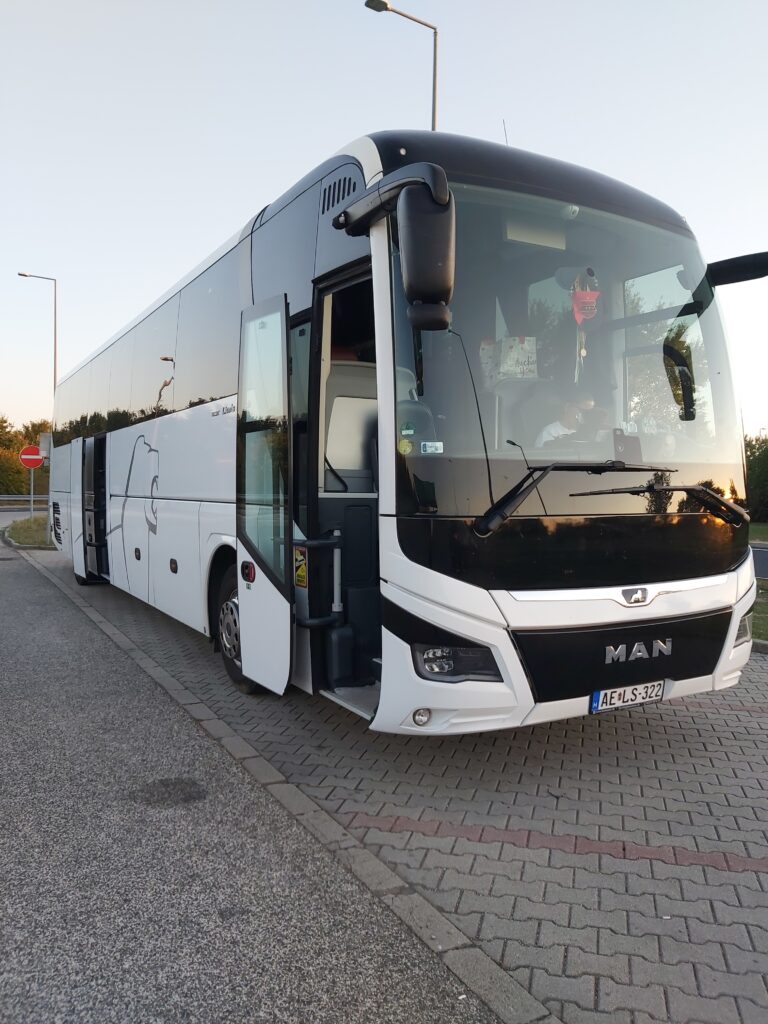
{"points": [[568, 422]]}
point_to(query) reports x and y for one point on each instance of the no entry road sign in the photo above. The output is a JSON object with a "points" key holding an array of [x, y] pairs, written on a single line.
{"points": [[30, 457]]}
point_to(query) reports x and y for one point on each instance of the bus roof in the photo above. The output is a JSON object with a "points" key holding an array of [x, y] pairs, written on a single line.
{"points": [[464, 159]]}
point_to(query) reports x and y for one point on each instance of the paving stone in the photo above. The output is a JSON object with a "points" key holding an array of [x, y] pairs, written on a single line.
{"points": [[680, 975], [494, 927], [733, 934], [551, 934], [721, 983], [461, 880], [648, 998], [612, 944], [640, 924], [572, 1014], [742, 961], [676, 951], [474, 902], [436, 859], [580, 991], [601, 966], [700, 1009], [616, 920], [550, 959]]}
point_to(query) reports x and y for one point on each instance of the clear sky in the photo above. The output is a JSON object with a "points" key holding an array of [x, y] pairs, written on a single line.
{"points": [[137, 136]]}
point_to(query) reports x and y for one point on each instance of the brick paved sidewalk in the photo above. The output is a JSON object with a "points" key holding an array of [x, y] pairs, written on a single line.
{"points": [[616, 866]]}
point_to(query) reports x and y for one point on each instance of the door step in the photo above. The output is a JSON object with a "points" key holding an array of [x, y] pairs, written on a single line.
{"points": [[361, 700]]}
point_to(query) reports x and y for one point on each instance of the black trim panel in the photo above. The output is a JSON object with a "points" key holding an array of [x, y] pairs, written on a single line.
{"points": [[476, 161], [562, 664], [413, 630]]}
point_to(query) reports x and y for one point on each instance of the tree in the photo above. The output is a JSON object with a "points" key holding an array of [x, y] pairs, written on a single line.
{"points": [[13, 476], [31, 431], [7, 433], [757, 477]]}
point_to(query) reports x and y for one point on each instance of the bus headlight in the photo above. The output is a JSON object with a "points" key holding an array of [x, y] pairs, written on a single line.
{"points": [[744, 632], [455, 664]]}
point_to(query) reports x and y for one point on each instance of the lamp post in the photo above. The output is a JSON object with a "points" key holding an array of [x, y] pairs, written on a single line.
{"points": [[384, 6], [40, 277]]}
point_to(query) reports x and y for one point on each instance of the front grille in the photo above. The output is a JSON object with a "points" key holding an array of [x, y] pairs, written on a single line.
{"points": [[562, 664]]}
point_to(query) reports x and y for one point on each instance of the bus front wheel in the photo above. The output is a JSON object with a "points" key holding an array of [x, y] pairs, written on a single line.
{"points": [[229, 632]]}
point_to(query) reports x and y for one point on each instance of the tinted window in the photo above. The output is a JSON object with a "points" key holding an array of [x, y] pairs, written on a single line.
{"points": [[284, 252], [78, 401], [209, 333], [62, 413], [152, 378], [119, 404], [99, 392]]}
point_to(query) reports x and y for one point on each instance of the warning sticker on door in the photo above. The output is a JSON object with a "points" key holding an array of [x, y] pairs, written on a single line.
{"points": [[300, 567]]}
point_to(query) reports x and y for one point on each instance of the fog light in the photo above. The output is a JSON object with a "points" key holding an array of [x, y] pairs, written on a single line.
{"points": [[421, 716], [744, 632]]}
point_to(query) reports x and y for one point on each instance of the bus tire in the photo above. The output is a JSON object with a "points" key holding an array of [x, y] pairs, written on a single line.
{"points": [[228, 625]]}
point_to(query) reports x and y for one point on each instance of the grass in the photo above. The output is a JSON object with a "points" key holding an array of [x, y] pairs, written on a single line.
{"points": [[760, 614], [758, 531], [32, 531]]}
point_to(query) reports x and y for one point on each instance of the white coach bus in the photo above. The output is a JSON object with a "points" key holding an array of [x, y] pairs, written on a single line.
{"points": [[447, 434]]}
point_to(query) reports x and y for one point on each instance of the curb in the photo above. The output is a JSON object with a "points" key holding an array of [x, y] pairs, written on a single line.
{"points": [[760, 646], [481, 975]]}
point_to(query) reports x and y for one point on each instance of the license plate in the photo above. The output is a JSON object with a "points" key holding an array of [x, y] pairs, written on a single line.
{"points": [[625, 697]]}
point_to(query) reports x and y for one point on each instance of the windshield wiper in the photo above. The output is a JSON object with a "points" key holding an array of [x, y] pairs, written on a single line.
{"points": [[502, 509], [713, 502]]}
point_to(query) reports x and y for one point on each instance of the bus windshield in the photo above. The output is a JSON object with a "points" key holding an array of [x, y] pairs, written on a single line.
{"points": [[578, 335]]}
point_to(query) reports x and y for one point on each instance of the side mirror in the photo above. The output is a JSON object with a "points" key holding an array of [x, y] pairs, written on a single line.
{"points": [[427, 232], [738, 268]]}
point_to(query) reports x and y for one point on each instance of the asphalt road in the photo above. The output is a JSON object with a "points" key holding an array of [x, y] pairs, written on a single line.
{"points": [[145, 877]]}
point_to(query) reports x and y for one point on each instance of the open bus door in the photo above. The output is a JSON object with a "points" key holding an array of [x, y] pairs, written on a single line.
{"points": [[264, 518], [76, 506]]}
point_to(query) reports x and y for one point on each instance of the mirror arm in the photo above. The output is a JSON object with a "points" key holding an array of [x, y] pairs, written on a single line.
{"points": [[381, 198], [738, 268]]}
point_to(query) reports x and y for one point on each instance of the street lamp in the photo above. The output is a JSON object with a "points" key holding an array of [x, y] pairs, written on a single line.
{"points": [[40, 277], [384, 6]]}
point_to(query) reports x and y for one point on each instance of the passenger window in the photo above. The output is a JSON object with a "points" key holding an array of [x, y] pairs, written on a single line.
{"points": [[209, 333]]}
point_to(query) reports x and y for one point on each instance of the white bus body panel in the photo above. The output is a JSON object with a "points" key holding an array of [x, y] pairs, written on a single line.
{"points": [[172, 489], [60, 482], [177, 538]]}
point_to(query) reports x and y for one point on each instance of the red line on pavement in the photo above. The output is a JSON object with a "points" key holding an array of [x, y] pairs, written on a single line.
{"points": [[528, 839]]}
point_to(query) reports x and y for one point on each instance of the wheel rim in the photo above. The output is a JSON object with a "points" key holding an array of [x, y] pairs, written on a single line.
{"points": [[229, 628]]}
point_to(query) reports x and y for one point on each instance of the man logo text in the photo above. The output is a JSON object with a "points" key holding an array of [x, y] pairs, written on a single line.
{"points": [[639, 650]]}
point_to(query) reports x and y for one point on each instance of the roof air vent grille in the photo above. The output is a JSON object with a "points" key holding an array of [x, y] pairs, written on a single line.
{"points": [[336, 192]]}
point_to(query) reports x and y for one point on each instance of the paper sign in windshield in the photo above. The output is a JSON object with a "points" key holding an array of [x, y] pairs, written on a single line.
{"points": [[518, 358]]}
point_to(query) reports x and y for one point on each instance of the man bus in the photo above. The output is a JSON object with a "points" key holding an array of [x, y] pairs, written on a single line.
{"points": [[447, 433]]}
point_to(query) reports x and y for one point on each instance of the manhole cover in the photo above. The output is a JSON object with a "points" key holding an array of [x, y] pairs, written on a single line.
{"points": [[168, 792]]}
